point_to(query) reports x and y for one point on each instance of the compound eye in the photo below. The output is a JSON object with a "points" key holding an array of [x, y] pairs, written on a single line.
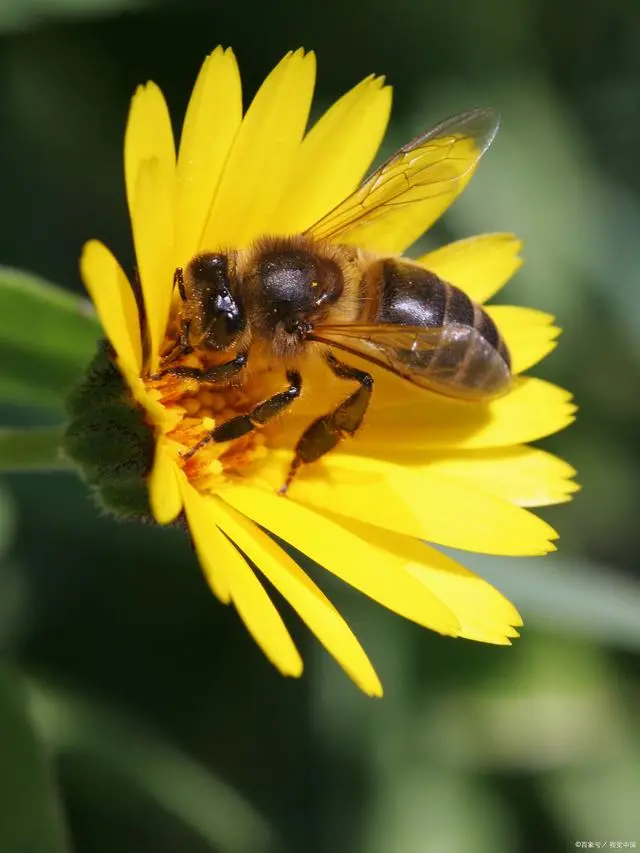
{"points": [[222, 317], [209, 269]]}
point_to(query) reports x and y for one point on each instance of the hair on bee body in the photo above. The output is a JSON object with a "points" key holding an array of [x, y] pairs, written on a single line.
{"points": [[293, 284], [288, 295]]}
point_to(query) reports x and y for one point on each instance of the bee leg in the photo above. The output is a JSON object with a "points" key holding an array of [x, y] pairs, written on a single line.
{"points": [[326, 432], [259, 415], [178, 281], [217, 373], [183, 347], [183, 342]]}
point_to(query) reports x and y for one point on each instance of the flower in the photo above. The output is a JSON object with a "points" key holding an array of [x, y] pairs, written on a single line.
{"points": [[423, 467]]}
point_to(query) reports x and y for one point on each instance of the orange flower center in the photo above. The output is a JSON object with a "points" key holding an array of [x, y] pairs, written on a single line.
{"points": [[201, 406]]}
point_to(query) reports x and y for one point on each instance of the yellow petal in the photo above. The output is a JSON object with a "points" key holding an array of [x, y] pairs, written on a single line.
{"points": [[303, 595], [211, 123], [530, 411], [164, 489], [348, 557], [423, 502], [218, 557], [334, 155], [115, 303], [461, 515], [524, 476], [152, 223], [237, 580], [405, 210], [263, 621], [260, 160], [484, 613], [529, 334], [478, 265], [148, 136], [163, 418]]}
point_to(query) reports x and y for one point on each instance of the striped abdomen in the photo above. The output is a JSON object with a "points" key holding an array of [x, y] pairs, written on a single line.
{"points": [[461, 352]]}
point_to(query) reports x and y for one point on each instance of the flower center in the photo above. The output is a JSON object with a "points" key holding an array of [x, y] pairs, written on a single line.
{"points": [[197, 407]]}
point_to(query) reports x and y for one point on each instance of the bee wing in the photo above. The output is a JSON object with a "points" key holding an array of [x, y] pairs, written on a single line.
{"points": [[406, 351], [385, 336], [425, 175], [430, 358]]}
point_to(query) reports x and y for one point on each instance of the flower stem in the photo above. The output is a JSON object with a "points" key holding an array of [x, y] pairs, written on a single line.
{"points": [[35, 449]]}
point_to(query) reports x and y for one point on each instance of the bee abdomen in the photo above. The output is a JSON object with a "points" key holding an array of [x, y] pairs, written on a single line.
{"points": [[469, 356]]}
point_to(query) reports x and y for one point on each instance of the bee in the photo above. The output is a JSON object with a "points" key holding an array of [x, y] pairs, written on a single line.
{"points": [[320, 290]]}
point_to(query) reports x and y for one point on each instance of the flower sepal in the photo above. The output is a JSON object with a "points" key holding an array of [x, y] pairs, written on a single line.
{"points": [[109, 439]]}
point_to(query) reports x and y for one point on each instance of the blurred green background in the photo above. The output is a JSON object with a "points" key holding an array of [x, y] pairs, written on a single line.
{"points": [[136, 714]]}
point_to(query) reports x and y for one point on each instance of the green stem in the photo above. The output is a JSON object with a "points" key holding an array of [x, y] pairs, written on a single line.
{"points": [[36, 449]]}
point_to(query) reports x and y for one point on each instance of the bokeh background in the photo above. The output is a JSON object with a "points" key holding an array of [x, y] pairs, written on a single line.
{"points": [[136, 714]]}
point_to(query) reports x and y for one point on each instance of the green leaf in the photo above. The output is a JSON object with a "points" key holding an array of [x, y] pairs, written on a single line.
{"points": [[32, 450], [106, 739], [31, 820], [401, 821], [568, 596], [47, 337]]}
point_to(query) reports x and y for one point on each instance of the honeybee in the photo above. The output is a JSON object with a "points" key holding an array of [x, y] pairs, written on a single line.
{"points": [[318, 289]]}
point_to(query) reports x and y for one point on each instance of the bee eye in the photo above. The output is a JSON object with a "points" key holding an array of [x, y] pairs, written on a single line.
{"points": [[209, 268], [222, 315]]}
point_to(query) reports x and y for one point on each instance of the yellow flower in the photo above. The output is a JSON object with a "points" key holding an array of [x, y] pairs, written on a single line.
{"points": [[423, 467]]}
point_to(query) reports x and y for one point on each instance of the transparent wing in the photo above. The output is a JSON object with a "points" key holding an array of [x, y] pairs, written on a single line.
{"points": [[386, 336], [429, 358], [402, 198]]}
